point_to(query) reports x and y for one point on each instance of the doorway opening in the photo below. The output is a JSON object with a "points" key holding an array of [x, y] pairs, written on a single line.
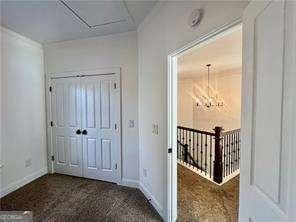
{"points": [[205, 127]]}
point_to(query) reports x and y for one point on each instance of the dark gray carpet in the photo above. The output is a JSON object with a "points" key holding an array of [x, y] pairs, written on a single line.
{"points": [[61, 198], [56, 197], [203, 201]]}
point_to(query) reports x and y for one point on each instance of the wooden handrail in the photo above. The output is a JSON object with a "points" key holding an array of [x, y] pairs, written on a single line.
{"points": [[230, 132], [196, 130]]}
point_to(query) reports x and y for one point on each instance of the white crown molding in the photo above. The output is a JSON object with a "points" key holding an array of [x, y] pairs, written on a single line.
{"points": [[20, 37]]}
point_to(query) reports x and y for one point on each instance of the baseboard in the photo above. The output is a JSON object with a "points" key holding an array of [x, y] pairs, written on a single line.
{"points": [[152, 200], [193, 169], [19, 183], [129, 183]]}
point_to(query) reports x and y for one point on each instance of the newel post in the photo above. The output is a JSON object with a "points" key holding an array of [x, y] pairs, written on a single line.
{"points": [[218, 167]]}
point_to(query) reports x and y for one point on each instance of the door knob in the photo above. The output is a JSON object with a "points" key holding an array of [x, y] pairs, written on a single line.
{"points": [[78, 131], [84, 132]]}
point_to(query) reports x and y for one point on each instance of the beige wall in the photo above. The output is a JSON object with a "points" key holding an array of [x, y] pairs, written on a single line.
{"points": [[229, 88], [185, 104]]}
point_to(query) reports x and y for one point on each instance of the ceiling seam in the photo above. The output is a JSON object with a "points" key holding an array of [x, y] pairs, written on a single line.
{"points": [[128, 11], [94, 26], [75, 13]]}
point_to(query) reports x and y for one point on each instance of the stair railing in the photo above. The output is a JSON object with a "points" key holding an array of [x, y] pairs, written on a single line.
{"points": [[214, 155]]}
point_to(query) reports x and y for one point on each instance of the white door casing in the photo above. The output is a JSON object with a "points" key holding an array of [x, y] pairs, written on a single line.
{"points": [[89, 103], [265, 186], [66, 112], [171, 213]]}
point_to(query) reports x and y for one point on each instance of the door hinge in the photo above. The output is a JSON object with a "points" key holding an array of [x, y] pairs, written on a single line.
{"points": [[115, 126], [52, 158], [50, 89], [116, 166], [51, 123], [170, 150], [115, 85]]}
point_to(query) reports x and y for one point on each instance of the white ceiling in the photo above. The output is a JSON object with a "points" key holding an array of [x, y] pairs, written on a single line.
{"points": [[54, 21], [224, 54]]}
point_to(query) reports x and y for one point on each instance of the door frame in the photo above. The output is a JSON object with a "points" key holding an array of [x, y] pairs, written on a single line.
{"points": [[172, 89], [70, 74]]}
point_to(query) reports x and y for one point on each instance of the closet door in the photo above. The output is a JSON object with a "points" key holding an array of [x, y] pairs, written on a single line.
{"points": [[67, 137], [101, 127]]}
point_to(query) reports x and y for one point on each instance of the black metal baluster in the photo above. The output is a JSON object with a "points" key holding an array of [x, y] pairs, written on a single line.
{"points": [[224, 157], [226, 153], [178, 143], [183, 139], [229, 160], [197, 160], [201, 150], [239, 143], [193, 147], [178, 139], [211, 153], [235, 154], [230, 141], [206, 153], [237, 150], [191, 151]]}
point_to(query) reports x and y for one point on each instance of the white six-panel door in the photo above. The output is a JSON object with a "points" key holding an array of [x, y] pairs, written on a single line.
{"points": [[101, 120], [86, 131], [266, 179], [66, 112]]}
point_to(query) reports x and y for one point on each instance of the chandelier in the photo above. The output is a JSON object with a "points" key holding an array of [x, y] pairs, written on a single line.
{"points": [[211, 101]]}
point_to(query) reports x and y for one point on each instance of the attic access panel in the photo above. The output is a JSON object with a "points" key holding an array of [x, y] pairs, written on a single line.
{"points": [[99, 13]]}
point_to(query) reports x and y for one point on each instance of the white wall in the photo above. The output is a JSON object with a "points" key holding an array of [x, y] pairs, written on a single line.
{"points": [[163, 31], [118, 50], [23, 136]]}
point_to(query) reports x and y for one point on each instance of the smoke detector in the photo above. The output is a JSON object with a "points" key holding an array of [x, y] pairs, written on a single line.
{"points": [[195, 17]]}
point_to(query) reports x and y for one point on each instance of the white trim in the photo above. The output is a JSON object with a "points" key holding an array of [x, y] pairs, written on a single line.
{"points": [[151, 15], [290, 63], [194, 170], [21, 38], [74, 73], [19, 183], [172, 112], [129, 183], [152, 200], [100, 71]]}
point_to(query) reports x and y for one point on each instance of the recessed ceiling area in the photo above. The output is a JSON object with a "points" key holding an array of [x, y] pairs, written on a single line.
{"points": [[224, 53], [55, 21]]}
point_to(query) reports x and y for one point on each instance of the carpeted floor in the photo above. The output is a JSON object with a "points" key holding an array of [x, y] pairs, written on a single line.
{"points": [[203, 201], [65, 198], [62, 198]]}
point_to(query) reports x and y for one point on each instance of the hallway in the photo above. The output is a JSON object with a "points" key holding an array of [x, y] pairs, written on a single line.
{"points": [[203, 201]]}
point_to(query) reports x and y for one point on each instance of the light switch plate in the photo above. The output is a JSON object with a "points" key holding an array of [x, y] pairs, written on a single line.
{"points": [[28, 162], [155, 129], [131, 123]]}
